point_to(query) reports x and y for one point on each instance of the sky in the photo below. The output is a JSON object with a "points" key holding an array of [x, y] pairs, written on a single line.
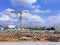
{"points": [[39, 12]]}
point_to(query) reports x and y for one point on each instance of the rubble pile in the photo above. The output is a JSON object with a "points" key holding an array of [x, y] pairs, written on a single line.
{"points": [[29, 36]]}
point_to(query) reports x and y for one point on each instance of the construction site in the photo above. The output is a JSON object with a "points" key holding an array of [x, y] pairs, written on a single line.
{"points": [[18, 36], [28, 36]]}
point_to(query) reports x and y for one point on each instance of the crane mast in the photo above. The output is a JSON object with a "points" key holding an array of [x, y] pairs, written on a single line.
{"points": [[20, 21]]}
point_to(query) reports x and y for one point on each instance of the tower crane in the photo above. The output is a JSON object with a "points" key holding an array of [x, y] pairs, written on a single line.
{"points": [[20, 18]]}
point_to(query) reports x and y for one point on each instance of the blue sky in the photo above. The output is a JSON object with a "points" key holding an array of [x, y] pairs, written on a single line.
{"points": [[40, 12]]}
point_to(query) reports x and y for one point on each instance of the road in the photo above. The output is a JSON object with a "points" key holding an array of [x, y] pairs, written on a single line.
{"points": [[30, 43]]}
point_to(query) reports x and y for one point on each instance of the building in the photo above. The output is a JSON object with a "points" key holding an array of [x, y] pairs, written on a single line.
{"points": [[1, 27], [11, 27], [57, 28], [6, 28]]}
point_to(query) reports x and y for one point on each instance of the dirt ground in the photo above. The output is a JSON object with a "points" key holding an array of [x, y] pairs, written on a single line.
{"points": [[17, 37]]}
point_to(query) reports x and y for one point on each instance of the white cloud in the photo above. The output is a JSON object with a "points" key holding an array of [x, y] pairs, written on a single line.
{"points": [[7, 16], [28, 18], [42, 11], [32, 18], [36, 6], [39, 11], [50, 21], [23, 2], [8, 12], [54, 19], [39, 21], [8, 9], [33, 6]]}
